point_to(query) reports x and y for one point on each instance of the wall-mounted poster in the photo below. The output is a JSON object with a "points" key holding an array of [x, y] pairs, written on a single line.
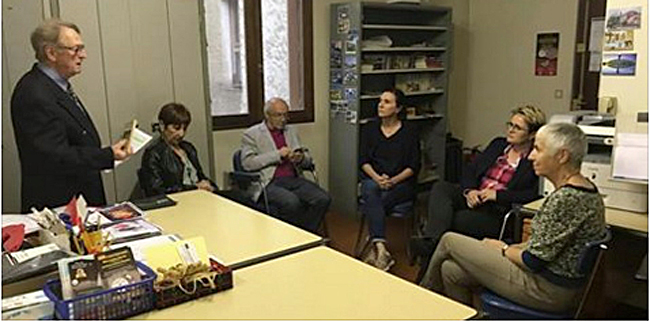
{"points": [[619, 64], [619, 40], [546, 54], [624, 18]]}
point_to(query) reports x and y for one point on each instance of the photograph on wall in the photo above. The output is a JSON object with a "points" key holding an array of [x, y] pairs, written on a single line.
{"points": [[336, 77], [336, 94], [351, 116], [546, 54], [336, 54], [352, 42], [624, 18], [351, 95], [619, 64], [343, 19], [350, 77], [351, 62], [619, 40]]}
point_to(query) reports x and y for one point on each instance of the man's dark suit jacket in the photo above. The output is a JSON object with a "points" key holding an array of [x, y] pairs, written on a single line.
{"points": [[522, 188], [58, 145]]}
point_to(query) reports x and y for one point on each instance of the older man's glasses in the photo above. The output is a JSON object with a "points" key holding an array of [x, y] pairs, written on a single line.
{"points": [[515, 127], [279, 115], [74, 49]]}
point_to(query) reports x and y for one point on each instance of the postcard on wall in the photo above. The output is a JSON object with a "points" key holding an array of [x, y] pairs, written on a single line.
{"points": [[619, 64], [336, 77], [336, 54], [336, 94], [351, 95], [350, 77], [619, 40], [351, 62], [624, 18], [343, 19], [546, 54], [352, 42]]}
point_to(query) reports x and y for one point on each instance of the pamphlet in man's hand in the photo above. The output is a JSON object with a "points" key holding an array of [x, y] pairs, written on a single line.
{"points": [[137, 138]]}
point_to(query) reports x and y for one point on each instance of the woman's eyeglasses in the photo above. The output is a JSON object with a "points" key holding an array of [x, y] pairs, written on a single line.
{"points": [[515, 127]]}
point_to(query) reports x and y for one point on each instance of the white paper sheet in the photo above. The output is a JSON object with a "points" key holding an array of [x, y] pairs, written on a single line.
{"points": [[631, 156], [30, 225], [139, 140]]}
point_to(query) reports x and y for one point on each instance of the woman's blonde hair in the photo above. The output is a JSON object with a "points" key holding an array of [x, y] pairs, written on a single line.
{"points": [[533, 115]]}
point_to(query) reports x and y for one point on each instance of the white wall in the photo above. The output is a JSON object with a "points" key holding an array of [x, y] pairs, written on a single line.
{"points": [[502, 40], [631, 91]]}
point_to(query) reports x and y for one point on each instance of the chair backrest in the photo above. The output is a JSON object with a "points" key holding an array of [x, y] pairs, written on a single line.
{"points": [[236, 161], [589, 257], [588, 264]]}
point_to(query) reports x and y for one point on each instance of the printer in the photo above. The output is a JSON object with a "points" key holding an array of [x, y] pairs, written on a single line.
{"points": [[597, 164]]}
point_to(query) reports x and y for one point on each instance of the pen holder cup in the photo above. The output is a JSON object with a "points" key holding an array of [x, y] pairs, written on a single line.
{"points": [[94, 242]]}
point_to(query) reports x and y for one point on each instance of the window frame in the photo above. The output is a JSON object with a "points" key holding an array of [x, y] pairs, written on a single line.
{"points": [[255, 71]]}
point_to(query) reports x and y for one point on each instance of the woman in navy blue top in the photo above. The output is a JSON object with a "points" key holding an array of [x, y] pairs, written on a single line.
{"points": [[389, 160]]}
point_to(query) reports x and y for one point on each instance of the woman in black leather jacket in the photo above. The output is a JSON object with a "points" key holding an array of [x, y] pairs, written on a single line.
{"points": [[171, 164]]}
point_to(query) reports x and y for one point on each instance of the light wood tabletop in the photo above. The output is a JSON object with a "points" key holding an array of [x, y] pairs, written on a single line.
{"points": [[615, 217], [237, 235], [318, 283]]}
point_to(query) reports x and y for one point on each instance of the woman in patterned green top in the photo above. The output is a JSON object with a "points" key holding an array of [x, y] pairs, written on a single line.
{"points": [[541, 273]]}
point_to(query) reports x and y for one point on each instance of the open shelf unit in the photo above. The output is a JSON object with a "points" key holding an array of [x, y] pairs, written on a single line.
{"points": [[375, 46]]}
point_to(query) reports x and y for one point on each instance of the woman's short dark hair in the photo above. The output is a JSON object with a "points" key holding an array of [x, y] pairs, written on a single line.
{"points": [[174, 113], [399, 101]]}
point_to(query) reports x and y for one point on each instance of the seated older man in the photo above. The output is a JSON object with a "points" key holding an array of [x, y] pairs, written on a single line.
{"points": [[273, 148]]}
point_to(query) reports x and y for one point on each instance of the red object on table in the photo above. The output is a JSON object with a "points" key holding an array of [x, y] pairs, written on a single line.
{"points": [[12, 237]]}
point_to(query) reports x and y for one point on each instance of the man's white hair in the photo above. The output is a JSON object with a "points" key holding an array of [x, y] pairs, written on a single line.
{"points": [[268, 104]]}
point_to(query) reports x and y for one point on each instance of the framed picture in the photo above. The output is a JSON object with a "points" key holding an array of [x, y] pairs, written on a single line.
{"points": [[624, 18], [619, 64]]}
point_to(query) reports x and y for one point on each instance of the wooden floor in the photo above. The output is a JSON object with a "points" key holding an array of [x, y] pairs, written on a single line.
{"points": [[343, 230]]}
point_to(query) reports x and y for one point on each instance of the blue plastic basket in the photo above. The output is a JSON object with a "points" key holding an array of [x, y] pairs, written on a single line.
{"points": [[116, 303]]}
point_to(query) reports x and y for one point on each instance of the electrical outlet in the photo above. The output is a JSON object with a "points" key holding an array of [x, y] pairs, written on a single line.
{"points": [[558, 93]]}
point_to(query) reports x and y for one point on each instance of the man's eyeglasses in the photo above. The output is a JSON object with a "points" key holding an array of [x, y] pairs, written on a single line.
{"points": [[515, 127], [279, 115], [75, 49]]}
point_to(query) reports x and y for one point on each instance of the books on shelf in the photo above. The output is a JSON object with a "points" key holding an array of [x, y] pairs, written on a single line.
{"points": [[408, 83], [373, 62]]}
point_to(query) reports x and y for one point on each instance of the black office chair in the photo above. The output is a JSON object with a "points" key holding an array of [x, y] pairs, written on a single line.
{"points": [[498, 308], [244, 179]]}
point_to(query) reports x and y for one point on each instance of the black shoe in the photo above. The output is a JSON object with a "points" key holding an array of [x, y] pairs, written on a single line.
{"points": [[421, 248]]}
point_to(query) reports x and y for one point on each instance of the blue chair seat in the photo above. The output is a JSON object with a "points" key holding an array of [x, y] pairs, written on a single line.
{"points": [[500, 308]]}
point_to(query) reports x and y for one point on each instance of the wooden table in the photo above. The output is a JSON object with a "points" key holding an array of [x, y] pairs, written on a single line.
{"points": [[634, 221], [237, 235], [318, 283]]}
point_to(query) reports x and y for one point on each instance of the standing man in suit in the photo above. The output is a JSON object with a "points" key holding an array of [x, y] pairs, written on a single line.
{"points": [[273, 148], [58, 145]]}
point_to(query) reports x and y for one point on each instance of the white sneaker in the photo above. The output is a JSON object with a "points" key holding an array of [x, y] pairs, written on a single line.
{"points": [[384, 259], [371, 256]]}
